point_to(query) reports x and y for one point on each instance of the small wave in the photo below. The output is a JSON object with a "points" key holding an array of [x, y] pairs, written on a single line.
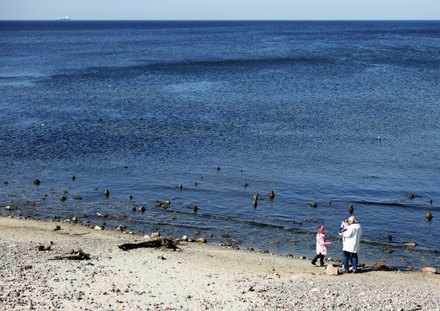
{"points": [[17, 80]]}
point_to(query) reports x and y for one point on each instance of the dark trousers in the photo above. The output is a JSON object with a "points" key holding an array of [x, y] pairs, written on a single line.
{"points": [[320, 257]]}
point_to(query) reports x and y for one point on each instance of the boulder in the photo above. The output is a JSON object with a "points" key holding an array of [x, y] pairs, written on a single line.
{"points": [[429, 270], [331, 270]]}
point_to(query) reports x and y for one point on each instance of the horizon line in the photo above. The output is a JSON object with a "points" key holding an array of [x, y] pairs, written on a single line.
{"points": [[213, 20]]}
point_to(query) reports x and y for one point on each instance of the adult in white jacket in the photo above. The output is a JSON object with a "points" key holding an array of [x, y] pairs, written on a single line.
{"points": [[350, 244]]}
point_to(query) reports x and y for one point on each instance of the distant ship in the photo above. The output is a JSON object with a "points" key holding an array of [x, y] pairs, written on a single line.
{"points": [[64, 18]]}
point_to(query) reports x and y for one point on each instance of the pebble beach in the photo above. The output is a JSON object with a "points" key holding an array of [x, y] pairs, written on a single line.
{"points": [[34, 275]]}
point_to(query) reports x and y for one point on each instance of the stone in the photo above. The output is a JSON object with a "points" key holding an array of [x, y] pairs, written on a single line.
{"points": [[430, 270], [331, 270], [429, 216], [184, 238], [155, 234]]}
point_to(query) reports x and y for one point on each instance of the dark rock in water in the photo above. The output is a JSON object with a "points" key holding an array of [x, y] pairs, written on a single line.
{"points": [[313, 204], [351, 209], [411, 195], [255, 200], [37, 182], [429, 216], [163, 204], [271, 195]]}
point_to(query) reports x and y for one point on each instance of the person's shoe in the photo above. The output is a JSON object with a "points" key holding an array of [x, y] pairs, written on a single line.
{"points": [[312, 263], [354, 271], [322, 267], [346, 271]]}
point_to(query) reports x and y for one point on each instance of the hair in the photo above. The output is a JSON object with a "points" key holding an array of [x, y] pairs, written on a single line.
{"points": [[320, 228]]}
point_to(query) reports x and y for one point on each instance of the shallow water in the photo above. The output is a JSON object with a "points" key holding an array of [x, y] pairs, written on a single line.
{"points": [[293, 107]]}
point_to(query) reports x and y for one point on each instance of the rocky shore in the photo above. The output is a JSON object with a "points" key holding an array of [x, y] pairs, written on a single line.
{"points": [[36, 273]]}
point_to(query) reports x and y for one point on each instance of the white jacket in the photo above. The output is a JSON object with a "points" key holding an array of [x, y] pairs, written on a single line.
{"points": [[352, 238]]}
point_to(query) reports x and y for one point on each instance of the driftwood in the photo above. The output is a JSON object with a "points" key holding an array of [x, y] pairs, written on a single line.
{"points": [[156, 243], [73, 255]]}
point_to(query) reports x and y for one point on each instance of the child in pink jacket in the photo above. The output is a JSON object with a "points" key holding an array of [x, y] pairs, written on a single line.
{"points": [[321, 247]]}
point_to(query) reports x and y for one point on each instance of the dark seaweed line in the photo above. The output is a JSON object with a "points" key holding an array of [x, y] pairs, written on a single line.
{"points": [[397, 204], [400, 246]]}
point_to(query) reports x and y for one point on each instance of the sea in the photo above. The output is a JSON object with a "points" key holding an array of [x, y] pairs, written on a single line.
{"points": [[175, 127]]}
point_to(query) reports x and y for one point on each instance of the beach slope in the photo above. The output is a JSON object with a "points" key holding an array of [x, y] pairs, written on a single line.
{"points": [[35, 275]]}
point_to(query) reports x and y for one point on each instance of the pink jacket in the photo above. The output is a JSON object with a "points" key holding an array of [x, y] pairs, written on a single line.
{"points": [[321, 244]]}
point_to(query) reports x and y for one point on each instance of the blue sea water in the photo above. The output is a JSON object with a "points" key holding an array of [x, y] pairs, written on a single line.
{"points": [[336, 113]]}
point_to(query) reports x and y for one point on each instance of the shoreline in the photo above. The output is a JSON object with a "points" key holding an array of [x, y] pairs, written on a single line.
{"points": [[376, 263], [197, 276]]}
